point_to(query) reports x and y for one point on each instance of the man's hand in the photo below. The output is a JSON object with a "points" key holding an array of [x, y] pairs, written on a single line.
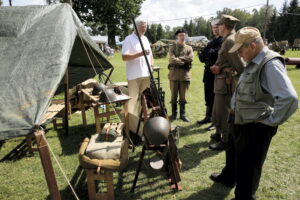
{"points": [[147, 52], [215, 69], [228, 69]]}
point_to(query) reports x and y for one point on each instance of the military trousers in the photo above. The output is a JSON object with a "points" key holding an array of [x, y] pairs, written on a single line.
{"points": [[221, 108], [179, 88], [133, 106], [246, 152]]}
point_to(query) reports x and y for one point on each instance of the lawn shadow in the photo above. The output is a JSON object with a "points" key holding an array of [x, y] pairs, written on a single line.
{"points": [[147, 177], [191, 156], [79, 184], [192, 129], [20, 150], [70, 144], [216, 191]]}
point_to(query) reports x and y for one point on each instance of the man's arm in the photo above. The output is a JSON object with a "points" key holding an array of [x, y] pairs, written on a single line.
{"points": [[274, 80], [189, 57], [173, 60], [129, 57]]}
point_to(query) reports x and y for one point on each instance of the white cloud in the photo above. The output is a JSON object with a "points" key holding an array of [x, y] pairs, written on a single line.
{"points": [[157, 10]]}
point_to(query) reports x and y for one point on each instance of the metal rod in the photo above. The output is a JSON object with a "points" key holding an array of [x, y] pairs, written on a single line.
{"points": [[266, 20]]}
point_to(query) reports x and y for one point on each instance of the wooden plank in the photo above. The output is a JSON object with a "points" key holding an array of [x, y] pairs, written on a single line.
{"points": [[67, 100]]}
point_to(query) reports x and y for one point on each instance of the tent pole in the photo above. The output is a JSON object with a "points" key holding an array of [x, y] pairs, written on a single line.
{"points": [[47, 164], [66, 84]]}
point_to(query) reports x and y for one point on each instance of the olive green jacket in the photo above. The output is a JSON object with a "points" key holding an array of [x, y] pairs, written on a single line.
{"points": [[227, 60], [180, 62]]}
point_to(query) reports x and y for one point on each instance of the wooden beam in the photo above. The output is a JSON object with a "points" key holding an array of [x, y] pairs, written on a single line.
{"points": [[47, 164], [66, 85]]}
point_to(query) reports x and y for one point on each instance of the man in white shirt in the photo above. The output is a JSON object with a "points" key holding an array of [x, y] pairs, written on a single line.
{"points": [[136, 71]]}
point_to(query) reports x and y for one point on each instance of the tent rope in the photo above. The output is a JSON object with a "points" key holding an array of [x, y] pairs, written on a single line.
{"points": [[86, 51], [61, 169]]}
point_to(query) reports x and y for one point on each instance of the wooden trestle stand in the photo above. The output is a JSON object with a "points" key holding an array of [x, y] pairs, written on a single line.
{"points": [[172, 164]]}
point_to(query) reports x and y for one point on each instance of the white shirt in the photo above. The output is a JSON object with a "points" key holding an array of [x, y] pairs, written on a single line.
{"points": [[136, 68]]}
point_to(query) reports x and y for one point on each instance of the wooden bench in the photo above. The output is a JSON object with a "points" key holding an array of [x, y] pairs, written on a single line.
{"points": [[101, 170]]}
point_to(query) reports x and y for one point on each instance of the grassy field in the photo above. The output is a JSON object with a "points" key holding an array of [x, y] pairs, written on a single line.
{"points": [[23, 178]]}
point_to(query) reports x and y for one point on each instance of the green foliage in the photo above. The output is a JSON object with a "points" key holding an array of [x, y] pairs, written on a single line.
{"points": [[160, 33], [110, 15], [286, 25]]}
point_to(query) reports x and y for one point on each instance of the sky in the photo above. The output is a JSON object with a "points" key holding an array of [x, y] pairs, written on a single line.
{"points": [[156, 11]]}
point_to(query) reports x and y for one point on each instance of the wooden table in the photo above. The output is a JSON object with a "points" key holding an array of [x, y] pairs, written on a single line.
{"points": [[95, 104]]}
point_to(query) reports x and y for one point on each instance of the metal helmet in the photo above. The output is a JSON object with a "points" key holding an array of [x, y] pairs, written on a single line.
{"points": [[108, 95], [156, 130], [98, 87]]}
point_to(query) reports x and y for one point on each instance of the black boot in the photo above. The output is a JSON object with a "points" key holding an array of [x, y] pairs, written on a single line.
{"points": [[174, 112], [207, 118], [182, 113]]}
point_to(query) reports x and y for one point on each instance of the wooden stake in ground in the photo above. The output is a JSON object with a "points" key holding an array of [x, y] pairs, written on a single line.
{"points": [[42, 146]]}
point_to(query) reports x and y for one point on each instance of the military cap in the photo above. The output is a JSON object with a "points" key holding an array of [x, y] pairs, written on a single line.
{"points": [[228, 20], [181, 30], [244, 35]]}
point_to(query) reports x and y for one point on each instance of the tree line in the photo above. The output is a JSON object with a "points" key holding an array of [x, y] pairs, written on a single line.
{"points": [[114, 18], [280, 25]]}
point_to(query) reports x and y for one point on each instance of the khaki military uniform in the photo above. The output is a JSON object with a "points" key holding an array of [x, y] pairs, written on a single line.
{"points": [[225, 83], [180, 63]]}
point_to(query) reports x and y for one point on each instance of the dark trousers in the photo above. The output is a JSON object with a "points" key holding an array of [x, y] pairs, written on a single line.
{"points": [[245, 155], [209, 95]]}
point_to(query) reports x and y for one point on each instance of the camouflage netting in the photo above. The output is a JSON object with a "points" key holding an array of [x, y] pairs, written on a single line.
{"points": [[160, 49]]}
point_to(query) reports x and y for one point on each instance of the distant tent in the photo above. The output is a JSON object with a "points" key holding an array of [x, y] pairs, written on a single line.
{"points": [[37, 44]]}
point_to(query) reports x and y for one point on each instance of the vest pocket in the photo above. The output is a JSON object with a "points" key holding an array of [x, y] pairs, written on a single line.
{"points": [[246, 89], [253, 114]]}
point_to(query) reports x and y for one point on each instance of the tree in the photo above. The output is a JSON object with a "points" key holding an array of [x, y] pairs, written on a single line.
{"points": [[202, 27], [191, 29], [271, 31], [186, 25], [152, 33], [259, 17], [292, 25], [109, 15], [160, 32]]}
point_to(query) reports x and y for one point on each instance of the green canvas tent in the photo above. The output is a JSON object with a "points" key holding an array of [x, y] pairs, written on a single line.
{"points": [[37, 45]]}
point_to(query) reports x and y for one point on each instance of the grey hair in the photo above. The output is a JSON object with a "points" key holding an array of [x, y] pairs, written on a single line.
{"points": [[139, 22], [257, 40]]}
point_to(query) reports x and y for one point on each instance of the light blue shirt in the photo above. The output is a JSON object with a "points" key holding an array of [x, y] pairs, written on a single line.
{"points": [[275, 81]]}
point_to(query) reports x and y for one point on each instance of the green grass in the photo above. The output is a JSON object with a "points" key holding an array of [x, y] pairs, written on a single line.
{"points": [[24, 179]]}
